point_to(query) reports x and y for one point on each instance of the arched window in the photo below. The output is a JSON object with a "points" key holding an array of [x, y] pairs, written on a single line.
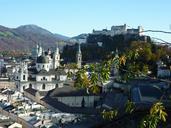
{"points": [[56, 86], [30, 85], [24, 77], [23, 88], [43, 86]]}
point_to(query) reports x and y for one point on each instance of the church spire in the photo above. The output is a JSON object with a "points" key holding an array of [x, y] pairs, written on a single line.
{"points": [[79, 48], [79, 56], [57, 48], [43, 53], [56, 58]]}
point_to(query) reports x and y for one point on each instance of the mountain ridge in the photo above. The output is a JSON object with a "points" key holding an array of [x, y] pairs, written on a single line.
{"points": [[26, 37]]}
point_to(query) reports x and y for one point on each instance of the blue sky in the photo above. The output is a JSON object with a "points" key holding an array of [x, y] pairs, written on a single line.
{"points": [[72, 17]]}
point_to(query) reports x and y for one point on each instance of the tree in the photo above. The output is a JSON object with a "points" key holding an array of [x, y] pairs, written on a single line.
{"points": [[129, 66], [157, 114]]}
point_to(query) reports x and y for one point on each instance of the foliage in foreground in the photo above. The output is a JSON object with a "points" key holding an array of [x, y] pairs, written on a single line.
{"points": [[129, 66], [156, 115]]}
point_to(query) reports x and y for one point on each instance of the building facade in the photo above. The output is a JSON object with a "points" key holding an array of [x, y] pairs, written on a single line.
{"points": [[44, 75]]}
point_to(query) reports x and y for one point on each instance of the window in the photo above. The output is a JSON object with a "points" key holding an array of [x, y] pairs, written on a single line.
{"points": [[43, 86], [43, 66], [56, 86], [24, 77], [30, 85], [44, 78], [23, 88]]}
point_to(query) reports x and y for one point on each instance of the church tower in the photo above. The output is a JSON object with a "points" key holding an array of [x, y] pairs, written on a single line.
{"points": [[22, 73], [56, 59], [39, 50], [79, 57]]}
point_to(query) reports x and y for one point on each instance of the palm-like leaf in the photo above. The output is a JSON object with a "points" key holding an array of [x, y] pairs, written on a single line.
{"points": [[129, 107], [122, 60]]}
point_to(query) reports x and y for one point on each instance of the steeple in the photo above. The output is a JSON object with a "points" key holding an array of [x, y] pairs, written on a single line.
{"points": [[39, 50], [56, 58], [43, 52], [57, 50], [79, 49], [79, 56]]}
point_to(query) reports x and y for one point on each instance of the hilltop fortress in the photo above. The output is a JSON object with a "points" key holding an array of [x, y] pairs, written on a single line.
{"points": [[119, 30]]}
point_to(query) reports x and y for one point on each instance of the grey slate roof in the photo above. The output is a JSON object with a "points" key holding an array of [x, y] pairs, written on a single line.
{"points": [[43, 72], [61, 72], [70, 91], [65, 108], [52, 72], [31, 91], [115, 100]]}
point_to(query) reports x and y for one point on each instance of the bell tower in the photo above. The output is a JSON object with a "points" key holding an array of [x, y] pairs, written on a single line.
{"points": [[56, 58], [79, 56]]}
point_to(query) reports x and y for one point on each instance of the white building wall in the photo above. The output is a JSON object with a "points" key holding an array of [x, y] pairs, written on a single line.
{"points": [[117, 30], [20, 76], [63, 77], [36, 86], [48, 86], [44, 78]]}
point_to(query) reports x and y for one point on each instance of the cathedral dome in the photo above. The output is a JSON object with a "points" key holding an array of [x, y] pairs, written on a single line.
{"points": [[42, 59]]}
